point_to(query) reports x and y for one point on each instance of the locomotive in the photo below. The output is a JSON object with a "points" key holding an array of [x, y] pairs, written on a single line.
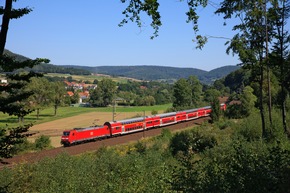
{"points": [[122, 127]]}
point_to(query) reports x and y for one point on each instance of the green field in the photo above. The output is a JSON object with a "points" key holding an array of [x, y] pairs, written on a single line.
{"points": [[90, 78], [47, 115]]}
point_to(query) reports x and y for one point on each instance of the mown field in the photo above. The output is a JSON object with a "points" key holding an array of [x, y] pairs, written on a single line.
{"points": [[71, 117], [91, 78]]}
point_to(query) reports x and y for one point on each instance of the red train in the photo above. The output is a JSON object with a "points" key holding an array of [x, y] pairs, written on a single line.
{"points": [[122, 127]]}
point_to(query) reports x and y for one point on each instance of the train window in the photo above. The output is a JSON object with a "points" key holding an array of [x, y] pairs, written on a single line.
{"points": [[66, 133]]}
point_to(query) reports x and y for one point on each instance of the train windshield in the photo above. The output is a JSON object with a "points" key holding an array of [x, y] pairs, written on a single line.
{"points": [[66, 133]]}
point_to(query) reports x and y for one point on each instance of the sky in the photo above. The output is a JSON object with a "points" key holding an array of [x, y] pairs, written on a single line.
{"points": [[86, 33]]}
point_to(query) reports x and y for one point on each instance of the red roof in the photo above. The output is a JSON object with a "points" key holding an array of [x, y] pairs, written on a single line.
{"points": [[70, 93]]}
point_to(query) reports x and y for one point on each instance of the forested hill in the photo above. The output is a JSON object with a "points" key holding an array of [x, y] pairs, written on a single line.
{"points": [[50, 68], [17, 56], [161, 72]]}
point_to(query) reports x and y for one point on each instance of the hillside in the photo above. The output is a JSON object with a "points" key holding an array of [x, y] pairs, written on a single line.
{"points": [[49, 68], [17, 56], [156, 73], [161, 73]]}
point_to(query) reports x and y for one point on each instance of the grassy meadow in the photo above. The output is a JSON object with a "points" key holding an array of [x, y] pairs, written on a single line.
{"points": [[90, 78], [47, 115]]}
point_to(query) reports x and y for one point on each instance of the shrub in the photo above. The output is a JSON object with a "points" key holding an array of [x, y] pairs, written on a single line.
{"points": [[216, 111], [22, 147], [42, 142], [250, 128], [239, 166], [234, 111], [188, 142], [154, 112], [140, 147], [166, 133]]}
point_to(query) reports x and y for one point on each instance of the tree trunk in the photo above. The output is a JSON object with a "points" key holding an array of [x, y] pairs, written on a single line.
{"points": [[55, 109], [264, 133], [283, 106], [269, 97], [268, 68], [37, 113], [5, 25]]}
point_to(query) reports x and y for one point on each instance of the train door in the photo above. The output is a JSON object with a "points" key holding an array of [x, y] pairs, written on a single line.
{"points": [[109, 127], [72, 137]]}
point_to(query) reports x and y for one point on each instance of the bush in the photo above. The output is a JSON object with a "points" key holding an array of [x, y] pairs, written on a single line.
{"points": [[223, 124], [234, 111], [166, 133], [140, 147], [154, 112], [42, 142], [250, 128], [22, 147], [188, 142], [239, 166]]}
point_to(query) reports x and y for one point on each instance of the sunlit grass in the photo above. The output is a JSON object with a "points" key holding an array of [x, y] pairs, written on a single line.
{"points": [[90, 78], [47, 115]]}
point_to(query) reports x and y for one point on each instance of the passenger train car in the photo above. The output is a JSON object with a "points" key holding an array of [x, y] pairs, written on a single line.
{"points": [[122, 127]]}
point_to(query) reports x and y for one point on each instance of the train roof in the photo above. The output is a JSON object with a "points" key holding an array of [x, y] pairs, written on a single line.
{"points": [[166, 114], [88, 128], [196, 109], [138, 119], [125, 121]]}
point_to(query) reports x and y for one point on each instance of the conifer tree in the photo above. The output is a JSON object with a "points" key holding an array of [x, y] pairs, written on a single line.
{"points": [[13, 94]]}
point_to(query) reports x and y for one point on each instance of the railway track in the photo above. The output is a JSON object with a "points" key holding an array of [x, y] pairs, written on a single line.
{"points": [[93, 146]]}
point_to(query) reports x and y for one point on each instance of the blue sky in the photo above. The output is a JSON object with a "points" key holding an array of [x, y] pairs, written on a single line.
{"points": [[75, 32]]}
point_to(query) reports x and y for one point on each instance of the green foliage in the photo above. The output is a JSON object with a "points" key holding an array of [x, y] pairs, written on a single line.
{"points": [[103, 95], [42, 142], [49, 68], [23, 147], [140, 147], [237, 166], [166, 133], [9, 138], [182, 93], [149, 7], [215, 110], [58, 95], [144, 101], [189, 142], [42, 94], [248, 100], [224, 124], [276, 131], [211, 94], [249, 128], [148, 166], [154, 112], [238, 79], [233, 111], [196, 91], [104, 171], [246, 105], [162, 73]]}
